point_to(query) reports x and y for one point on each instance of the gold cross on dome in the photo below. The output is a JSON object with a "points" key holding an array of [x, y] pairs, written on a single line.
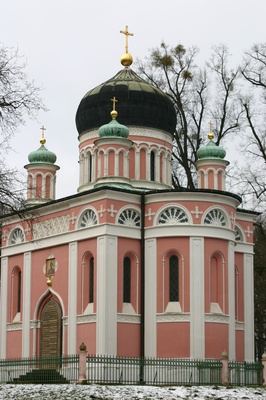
{"points": [[43, 129], [125, 32], [114, 101], [210, 134]]}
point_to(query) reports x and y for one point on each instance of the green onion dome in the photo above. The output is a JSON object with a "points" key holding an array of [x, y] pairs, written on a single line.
{"points": [[211, 150], [140, 104], [114, 128], [42, 155]]}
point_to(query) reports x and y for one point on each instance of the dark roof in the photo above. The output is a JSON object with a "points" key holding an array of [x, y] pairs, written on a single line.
{"points": [[139, 104]]}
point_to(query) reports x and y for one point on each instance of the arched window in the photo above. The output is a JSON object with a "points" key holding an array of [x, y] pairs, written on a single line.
{"points": [[127, 280], [87, 286], [89, 166], [16, 294], [173, 279], [87, 218], [91, 281], [152, 165], [129, 217], [217, 282]]}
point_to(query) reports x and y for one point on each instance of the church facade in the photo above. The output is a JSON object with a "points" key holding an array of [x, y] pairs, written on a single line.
{"points": [[128, 265]]}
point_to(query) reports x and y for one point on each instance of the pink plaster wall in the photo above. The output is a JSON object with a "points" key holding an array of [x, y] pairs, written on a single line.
{"points": [[13, 344], [87, 333], [173, 339], [128, 340], [216, 339]]}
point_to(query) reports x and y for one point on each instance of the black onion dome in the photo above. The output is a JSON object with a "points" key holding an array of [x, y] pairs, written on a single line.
{"points": [[139, 104]]}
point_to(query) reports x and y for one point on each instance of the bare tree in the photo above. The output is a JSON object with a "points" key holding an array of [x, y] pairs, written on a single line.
{"points": [[252, 176], [18, 97], [198, 94]]}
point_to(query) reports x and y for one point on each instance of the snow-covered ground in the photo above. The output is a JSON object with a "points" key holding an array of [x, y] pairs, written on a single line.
{"points": [[67, 392]]}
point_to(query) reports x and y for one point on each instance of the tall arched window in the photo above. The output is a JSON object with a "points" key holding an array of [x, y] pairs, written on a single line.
{"points": [[173, 279], [127, 280], [89, 166], [152, 165], [87, 287], [16, 293], [91, 281], [217, 283]]}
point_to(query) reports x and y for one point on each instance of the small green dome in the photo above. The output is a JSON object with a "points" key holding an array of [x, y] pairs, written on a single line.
{"points": [[113, 129], [211, 150], [42, 155]]}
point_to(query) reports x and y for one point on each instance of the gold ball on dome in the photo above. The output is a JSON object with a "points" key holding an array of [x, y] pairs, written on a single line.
{"points": [[210, 135], [49, 282], [42, 141], [126, 59], [113, 113]]}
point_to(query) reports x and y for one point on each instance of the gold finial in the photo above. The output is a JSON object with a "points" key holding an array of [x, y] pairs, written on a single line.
{"points": [[43, 140], [114, 113], [210, 134], [126, 59]]}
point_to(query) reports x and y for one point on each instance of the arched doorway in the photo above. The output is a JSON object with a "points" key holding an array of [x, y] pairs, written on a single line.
{"points": [[51, 330]]}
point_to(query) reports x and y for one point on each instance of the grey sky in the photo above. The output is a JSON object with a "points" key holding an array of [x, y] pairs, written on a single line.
{"points": [[72, 46]]}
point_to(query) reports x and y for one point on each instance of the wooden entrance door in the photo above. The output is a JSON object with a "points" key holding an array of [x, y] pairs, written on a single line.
{"points": [[51, 330]]}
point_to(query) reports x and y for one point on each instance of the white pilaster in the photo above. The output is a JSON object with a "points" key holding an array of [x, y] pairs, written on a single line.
{"points": [[116, 166], [106, 320], [148, 165], [3, 315], [197, 324], [85, 169], [137, 164], [150, 337], [72, 297], [93, 163], [231, 301], [26, 304], [249, 307]]}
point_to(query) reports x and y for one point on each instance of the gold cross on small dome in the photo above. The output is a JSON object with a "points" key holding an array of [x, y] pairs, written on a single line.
{"points": [[43, 141]]}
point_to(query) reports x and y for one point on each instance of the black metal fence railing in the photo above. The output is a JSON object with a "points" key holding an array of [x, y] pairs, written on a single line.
{"points": [[129, 370], [151, 371], [245, 373], [40, 370]]}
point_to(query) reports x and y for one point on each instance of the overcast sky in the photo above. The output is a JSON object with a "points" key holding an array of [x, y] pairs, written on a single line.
{"points": [[72, 46]]}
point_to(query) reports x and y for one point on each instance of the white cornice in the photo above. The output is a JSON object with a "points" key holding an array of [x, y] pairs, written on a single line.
{"points": [[173, 317], [217, 318], [181, 230], [133, 131], [213, 198], [128, 319]]}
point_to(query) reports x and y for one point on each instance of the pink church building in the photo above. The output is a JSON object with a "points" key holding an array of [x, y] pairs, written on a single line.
{"points": [[128, 265]]}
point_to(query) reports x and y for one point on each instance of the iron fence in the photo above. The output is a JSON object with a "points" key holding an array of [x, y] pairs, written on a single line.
{"points": [[129, 371], [151, 371], [40, 370], [245, 373]]}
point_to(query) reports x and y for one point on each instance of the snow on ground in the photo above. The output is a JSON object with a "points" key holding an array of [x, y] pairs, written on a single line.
{"points": [[95, 392]]}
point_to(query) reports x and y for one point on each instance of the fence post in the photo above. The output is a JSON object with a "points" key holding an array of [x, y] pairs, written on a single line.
{"points": [[82, 363], [263, 360], [225, 372]]}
